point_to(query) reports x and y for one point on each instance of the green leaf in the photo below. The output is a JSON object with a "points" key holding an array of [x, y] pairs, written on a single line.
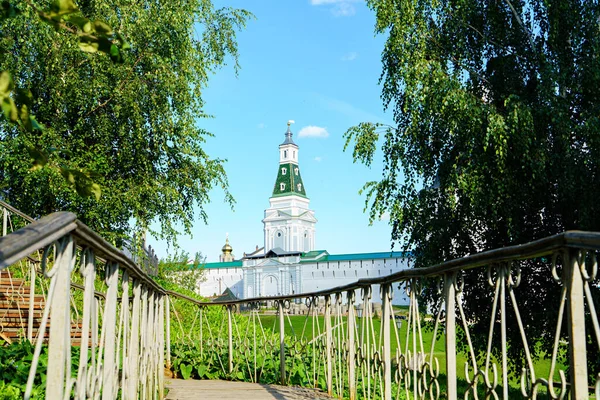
{"points": [[201, 369], [6, 84], [114, 50], [40, 158], [36, 125], [62, 7], [102, 28], [96, 190], [186, 371], [78, 20], [10, 110], [25, 118], [68, 175], [88, 47]]}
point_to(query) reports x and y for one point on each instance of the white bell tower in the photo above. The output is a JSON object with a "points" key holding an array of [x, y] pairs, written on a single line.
{"points": [[289, 224]]}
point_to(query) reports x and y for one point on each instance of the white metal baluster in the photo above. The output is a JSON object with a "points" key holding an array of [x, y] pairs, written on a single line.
{"points": [[328, 344], [156, 345], [109, 386], [4, 221], [576, 326], [32, 278], [386, 305], [87, 270], [351, 347], [60, 338], [168, 329], [365, 341], [281, 341], [229, 341], [450, 293], [150, 345], [125, 317], [143, 343], [161, 339], [132, 372]]}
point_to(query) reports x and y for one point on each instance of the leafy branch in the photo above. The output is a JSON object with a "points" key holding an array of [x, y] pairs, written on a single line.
{"points": [[93, 36]]}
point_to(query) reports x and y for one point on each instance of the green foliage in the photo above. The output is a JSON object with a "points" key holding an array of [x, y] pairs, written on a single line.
{"points": [[16, 103], [496, 138], [177, 273], [15, 361], [130, 126]]}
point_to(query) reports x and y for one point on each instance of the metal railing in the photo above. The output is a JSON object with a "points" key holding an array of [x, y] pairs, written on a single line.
{"points": [[335, 339], [119, 319], [319, 339]]}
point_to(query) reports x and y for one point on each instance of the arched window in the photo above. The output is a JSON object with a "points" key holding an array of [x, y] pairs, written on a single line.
{"points": [[285, 154], [296, 171], [299, 187], [282, 186], [283, 171]]}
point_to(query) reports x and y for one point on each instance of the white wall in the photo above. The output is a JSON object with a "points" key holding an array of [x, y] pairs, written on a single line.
{"points": [[251, 281], [231, 278], [329, 274]]}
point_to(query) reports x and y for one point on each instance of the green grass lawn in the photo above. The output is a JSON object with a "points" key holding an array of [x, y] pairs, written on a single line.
{"points": [[300, 326]]}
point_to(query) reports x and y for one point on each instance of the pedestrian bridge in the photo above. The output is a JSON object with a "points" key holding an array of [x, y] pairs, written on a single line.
{"points": [[65, 289]]}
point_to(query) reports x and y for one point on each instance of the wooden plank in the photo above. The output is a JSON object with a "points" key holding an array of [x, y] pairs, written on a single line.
{"points": [[180, 389]]}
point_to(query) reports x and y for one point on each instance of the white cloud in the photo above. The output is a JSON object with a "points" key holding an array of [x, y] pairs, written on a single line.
{"points": [[261, 125], [343, 10], [339, 8], [350, 56], [318, 159], [313, 131]]}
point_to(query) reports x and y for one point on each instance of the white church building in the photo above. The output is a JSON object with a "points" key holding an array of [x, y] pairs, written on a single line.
{"points": [[288, 263]]}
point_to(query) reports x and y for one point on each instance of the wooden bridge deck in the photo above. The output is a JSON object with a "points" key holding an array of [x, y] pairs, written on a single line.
{"points": [[180, 389]]}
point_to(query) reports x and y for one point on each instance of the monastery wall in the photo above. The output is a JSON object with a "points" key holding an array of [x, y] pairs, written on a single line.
{"points": [[219, 279]]}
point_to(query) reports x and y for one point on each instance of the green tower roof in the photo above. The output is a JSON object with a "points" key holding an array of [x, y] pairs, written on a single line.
{"points": [[289, 181]]}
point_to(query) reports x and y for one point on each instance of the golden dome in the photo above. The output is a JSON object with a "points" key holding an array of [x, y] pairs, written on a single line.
{"points": [[227, 248]]}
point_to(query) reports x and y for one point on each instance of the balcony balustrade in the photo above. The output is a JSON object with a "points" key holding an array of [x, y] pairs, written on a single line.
{"points": [[96, 298]]}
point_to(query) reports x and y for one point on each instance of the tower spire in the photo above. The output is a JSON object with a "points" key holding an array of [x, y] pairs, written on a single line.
{"points": [[289, 134]]}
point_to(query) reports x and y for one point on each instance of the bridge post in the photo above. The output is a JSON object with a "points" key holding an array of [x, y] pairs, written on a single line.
{"points": [[281, 341], [450, 302]]}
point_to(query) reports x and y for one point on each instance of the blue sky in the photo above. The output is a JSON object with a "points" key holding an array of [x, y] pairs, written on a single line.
{"points": [[313, 61]]}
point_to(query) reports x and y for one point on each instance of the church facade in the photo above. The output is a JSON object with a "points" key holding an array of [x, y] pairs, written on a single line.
{"points": [[289, 263]]}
